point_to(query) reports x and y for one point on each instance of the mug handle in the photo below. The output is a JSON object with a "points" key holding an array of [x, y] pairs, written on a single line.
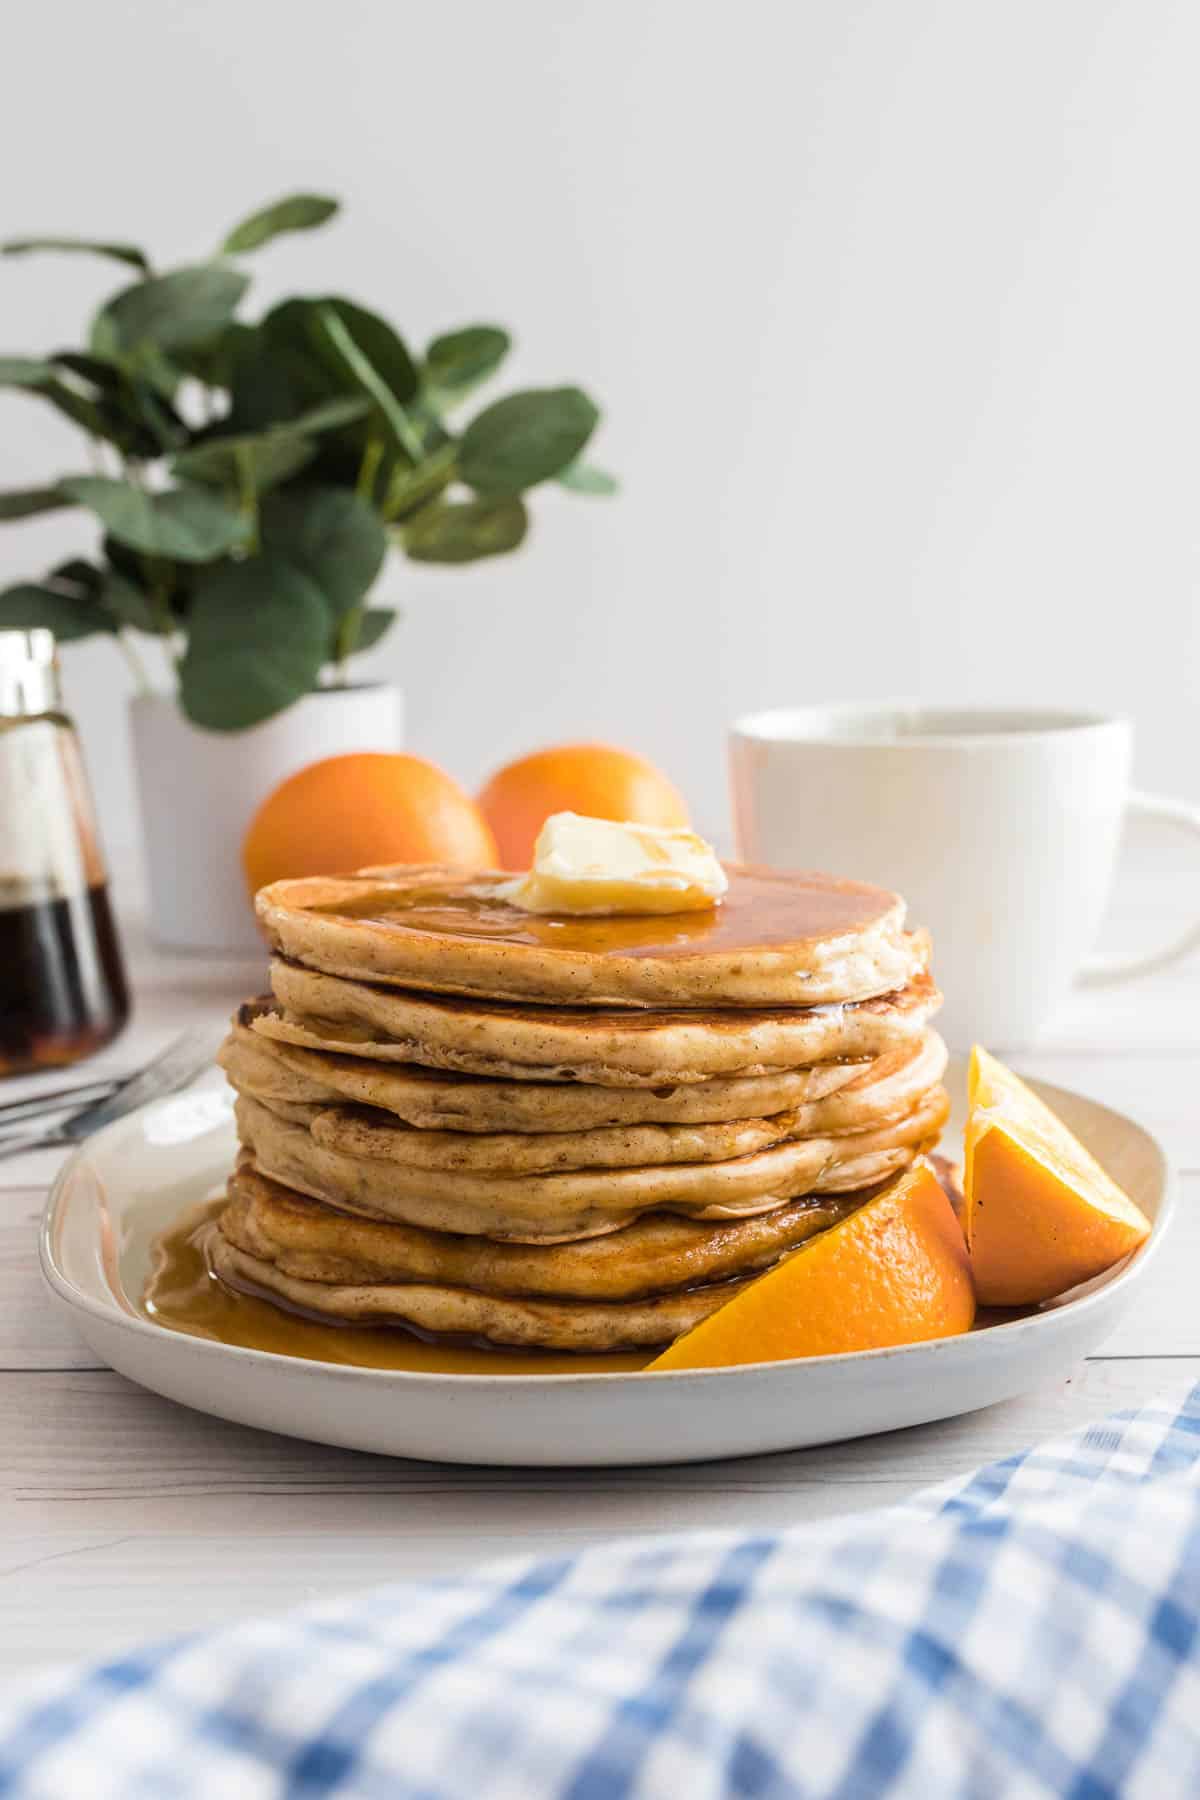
{"points": [[1108, 965]]}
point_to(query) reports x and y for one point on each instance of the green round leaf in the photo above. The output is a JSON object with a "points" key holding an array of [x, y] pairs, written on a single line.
{"points": [[332, 535], [185, 524], [126, 253], [262, 461], [185, 307], [25, 371], [582, 478], [295, 327], [372, 626], [299, 212], [23, 503], [459, 360], [524, 439], [69, 616], [271, 383], [258, 634], [461, 531], [382, 347]]}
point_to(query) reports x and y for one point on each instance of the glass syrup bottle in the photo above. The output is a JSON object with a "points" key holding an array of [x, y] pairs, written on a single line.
{"points": [[62, 979]]}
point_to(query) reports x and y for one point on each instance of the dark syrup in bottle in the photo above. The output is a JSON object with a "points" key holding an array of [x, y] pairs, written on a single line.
{"points": [[62, 982]]}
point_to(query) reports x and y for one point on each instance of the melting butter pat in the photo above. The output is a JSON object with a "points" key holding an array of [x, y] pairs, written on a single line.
{"points": [[597, 866]]}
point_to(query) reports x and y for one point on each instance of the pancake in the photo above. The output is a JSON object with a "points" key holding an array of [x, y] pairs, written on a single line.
{"points": [[871, 1094], [456, 1312], [654, 1255], [444, 1100], [581, 1203], [611, 1048], [359, 1131], [774, 940]]}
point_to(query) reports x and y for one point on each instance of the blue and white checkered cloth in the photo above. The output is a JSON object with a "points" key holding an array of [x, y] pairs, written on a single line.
{"points": [[1031, 1630]]}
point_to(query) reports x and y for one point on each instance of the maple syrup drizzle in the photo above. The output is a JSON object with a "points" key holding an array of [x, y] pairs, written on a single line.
{"points": [[183, 1294], [757, 913]]}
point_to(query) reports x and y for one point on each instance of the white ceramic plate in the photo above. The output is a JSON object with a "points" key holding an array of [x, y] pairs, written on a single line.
{"points": [[132, 1179]]}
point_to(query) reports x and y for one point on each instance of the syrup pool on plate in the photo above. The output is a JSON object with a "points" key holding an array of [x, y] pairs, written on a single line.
{"points": [[184, 1295]]}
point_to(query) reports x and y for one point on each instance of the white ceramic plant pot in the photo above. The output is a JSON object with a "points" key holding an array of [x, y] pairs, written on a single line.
{"points": [[200, 789]]}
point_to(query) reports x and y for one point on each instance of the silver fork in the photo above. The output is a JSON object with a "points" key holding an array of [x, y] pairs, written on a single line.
{"points": [[180, 1062], [59, 1100]]}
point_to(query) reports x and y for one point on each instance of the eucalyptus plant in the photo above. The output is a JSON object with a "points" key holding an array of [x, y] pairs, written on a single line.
{"points": [[249, 477]]}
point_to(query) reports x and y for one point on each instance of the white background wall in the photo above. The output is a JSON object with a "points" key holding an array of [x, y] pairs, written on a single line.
{"points": [[892, 305]]}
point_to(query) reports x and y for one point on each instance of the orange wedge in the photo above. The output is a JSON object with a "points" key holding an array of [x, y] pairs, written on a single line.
{"points": [[1041, 1215], [894, 1272]]}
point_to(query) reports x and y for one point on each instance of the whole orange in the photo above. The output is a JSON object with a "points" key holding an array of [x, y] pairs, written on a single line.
{"points": [[347, 812], [597, 780]]}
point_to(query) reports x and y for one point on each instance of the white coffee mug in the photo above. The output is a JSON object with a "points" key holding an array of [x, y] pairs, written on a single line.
{"points": [[999, 827]]}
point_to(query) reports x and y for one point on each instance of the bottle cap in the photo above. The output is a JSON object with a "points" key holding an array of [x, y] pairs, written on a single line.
{"points": [[28, 674]]}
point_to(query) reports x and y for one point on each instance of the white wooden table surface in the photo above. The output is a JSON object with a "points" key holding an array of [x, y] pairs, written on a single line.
{"points": [[123, 1515]]}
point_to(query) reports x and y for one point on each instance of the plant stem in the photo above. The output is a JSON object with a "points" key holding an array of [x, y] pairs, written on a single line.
{"points": [[159, 594], [247, 494], [136, 666], [411, 489], [158, 585], [408, 437], [368, 469], [346, 641]]}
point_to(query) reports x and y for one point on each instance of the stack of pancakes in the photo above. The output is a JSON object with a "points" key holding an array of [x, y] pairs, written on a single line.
{"points": [[565, 1132]]}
